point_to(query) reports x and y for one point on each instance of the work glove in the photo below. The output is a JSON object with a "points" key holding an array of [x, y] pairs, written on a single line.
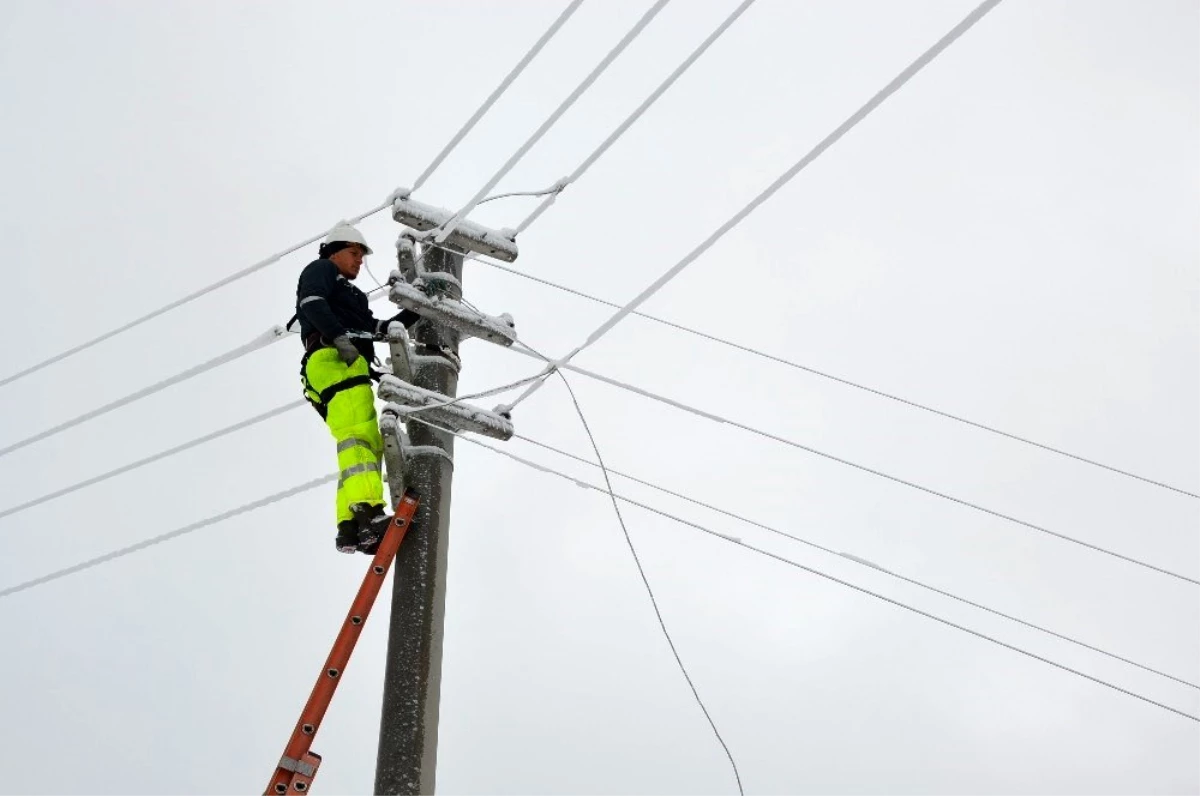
{"points": [[405, 317], [347, 352]]}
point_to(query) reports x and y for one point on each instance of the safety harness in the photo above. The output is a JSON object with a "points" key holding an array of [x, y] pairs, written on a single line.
{"points": [[320, 400]]}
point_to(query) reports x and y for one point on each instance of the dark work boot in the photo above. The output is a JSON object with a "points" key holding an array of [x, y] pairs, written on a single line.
{"points": [[373, 522], [347, 536]]}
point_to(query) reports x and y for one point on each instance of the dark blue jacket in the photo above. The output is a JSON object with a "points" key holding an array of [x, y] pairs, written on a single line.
{"points": [[328, 304]]}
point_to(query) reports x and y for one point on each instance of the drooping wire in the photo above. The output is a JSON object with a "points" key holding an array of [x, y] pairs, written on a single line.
{"points": [[870, 470], [770, 190], [646, 583]]}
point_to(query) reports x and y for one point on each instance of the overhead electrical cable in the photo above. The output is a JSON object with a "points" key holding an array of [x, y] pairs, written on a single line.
{"points": [[240, 426], [637, 113], [819, 573], [767, 193], [154, 458], [838, 379], [496, 94], [604, 146], [550, 121], [879, 473], [272, 335], [439, 234], [860, 561], [258, 266], [619, 130], [244, 424], [308, 485], [195, 526]]}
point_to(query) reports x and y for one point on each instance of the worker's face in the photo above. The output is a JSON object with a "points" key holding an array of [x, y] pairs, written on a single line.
{"points": [[348, 260]]}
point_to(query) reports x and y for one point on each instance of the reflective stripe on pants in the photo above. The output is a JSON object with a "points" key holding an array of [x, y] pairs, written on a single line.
{"points": [[350, 415]]}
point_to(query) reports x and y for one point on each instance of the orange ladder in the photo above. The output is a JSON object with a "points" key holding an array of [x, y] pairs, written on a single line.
{"points": [[299, 763]]}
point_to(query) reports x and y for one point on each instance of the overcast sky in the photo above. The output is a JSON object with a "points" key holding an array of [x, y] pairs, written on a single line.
{"points": [[1012, 238]]}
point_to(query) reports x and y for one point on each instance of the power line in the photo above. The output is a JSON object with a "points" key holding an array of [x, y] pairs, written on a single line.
{"points": [[258, 266], [782, 180], [124, 551], [186, 299], [853, 558], [240, 426], [438, 236], [646, 582], [565, 105], [792, 443], [637, 113], [839, 379], [298, 403], [272, 335], [614, 136], [153, 458], [821, 574], [195, 526], [499, 90]]}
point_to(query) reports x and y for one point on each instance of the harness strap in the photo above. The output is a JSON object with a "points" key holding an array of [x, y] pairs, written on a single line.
{"points": [[326, 395]]}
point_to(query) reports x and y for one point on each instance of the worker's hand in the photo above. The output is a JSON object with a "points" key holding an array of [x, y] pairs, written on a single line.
{"points": [[346, 350]]}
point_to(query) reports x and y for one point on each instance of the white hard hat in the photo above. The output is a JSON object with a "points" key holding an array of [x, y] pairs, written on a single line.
{"points": [[345, 232]]}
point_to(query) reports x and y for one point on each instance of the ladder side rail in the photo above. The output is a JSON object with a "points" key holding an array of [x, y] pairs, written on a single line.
{"points": [[298, 765]]}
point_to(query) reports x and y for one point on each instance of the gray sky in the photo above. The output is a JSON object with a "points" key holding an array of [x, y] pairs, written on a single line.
{"points": [[1012, 238]]}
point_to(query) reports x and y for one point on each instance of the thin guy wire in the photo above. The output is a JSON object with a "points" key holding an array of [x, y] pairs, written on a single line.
{"points": [[784, 440], [154, 458], [838, 379], [195, 526], [850, 557], [275, 334], [821, 574], [646, 582], [766, 194], [499, 90]]}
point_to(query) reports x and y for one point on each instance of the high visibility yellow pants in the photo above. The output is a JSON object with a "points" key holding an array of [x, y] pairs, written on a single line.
{"points": [[350, 415]]}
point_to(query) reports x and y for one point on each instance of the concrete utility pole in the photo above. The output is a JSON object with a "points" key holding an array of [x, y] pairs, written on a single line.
{"points": [[408, 731]]}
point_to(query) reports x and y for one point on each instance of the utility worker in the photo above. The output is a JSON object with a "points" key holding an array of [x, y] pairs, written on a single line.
{"points": [[339, 331]]}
